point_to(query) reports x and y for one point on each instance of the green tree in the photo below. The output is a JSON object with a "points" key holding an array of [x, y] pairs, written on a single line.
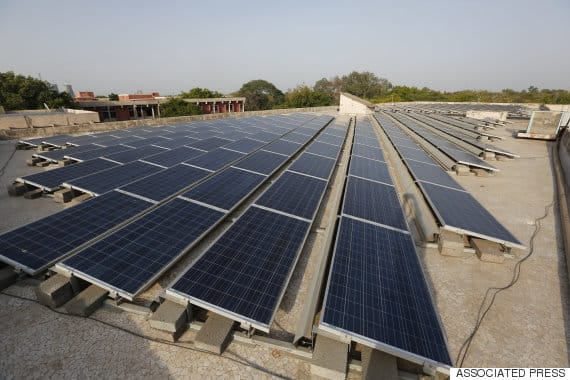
{"points": [[365, 84], [261, 95], [329, 87], [304, 96], [113, 96], [25, 92], [200, 93], [179, 107]]}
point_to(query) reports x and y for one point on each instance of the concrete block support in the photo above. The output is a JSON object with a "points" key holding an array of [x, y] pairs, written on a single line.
{"points": [[55, 291], [33, 194], [462, 170], [488, 251], [488, 156], [214, 335], [171, 317], [481, 172], [7, 277], [33, 161], [330, 359], [86, 302], [63, 196], [17, 189], [450, 244], [64, 162], [81, 198], [378, 365]]}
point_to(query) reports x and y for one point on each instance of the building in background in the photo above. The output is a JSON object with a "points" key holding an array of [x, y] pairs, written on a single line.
{"points": [[68, 89], [147, 106]]}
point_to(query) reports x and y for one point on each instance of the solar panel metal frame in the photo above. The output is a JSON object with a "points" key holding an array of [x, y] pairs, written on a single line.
{"points": [[130, 296]]}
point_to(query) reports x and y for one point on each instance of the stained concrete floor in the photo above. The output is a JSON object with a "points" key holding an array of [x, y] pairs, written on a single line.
{"points": [[527, 326]]}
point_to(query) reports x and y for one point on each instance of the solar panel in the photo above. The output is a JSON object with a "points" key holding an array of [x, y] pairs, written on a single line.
{"points": [[262, 162], [363, 140], [174, 156], [329, 139], [209, 143], [129, 259], [283, 147], [265, 136], [415, 154], [370, 169], [246, 271], [323, 149], [147, 141], [113, 178], [367, 152], [215, 159], [96, 153], [297, 137], [36, 246], [432, 173], [467, 158], [135, 154], [176, 142], [459, 210], [294, 194], [407, 142], [377, 294], [374, 202], [226, 189], [52, 179], [310, 164], [56, 155], [161, 185], [245, 145]]}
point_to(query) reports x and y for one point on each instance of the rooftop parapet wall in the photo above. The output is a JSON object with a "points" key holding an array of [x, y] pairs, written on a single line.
{"points": [[353, 105]]}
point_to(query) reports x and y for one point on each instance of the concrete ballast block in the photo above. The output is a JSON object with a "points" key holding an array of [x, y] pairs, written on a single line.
{"points": [[330, 358], [378, 365], [169, 316], [488, 251], [55, 291], [462, 170], [17, 189], [65, 162], [450, 244], [481, 172], [214, 335], [7, 277], [33, 194], [86, 302], [488, 156], [63, 196], [81, 198]]}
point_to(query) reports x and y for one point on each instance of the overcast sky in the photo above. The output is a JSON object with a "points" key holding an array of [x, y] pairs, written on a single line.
{"points": [[172, 46]]}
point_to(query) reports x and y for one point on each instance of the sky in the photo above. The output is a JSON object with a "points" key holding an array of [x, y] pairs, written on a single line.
{"points": [[172, 46]]}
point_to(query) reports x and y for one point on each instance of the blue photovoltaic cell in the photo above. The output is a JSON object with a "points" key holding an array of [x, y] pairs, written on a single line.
{"points": [[330, 139], [363, 140], [323, 149], [377, 291], [226, 189], [147, 141], [168, 182], [460, 210], [129, 258], [283, 147], [311, 164], [209, 143], [265, 136], [215, 159], [39, 244], [367, 152], [176, 142], [56, 155], [245, 145], [247, 269], [294, 194], [52, 179], [262, 162], [91, 154], [110, 179], [415, 154], [431, 173], [297, 137], [135, 154], [404, 142], [174, 156], [370, 169], [467, 158], [373, 201]]}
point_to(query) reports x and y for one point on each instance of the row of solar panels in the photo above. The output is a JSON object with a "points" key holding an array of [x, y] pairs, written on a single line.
{"points": [[38, 245], [376, 292], [455, 208], [470, 128]]}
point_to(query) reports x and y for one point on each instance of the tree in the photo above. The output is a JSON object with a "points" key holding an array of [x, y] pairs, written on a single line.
{"points": [[327, 87], [261, 95], [25, 92], [179, 107], [304, 96], [365, 85], [113, 96], [200, 93]]}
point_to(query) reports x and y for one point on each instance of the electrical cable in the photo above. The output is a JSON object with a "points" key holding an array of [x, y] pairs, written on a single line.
{"points": [[243, 362], [7, 162], [464, 350]]}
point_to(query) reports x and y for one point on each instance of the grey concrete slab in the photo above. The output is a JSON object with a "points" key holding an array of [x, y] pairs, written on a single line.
{"points": [[330, 358], [378, 365], [214, 335], [86, 302], [55, 291], [169, 316]]}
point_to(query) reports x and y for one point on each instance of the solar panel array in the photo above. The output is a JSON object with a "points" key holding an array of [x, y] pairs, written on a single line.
{"points": [[40, 244], [454, 207], [376, 292], [244, 274], [129, 259]]}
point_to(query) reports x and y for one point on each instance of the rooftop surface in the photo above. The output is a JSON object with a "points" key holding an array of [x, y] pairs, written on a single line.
{"points": [[527, 326]]}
